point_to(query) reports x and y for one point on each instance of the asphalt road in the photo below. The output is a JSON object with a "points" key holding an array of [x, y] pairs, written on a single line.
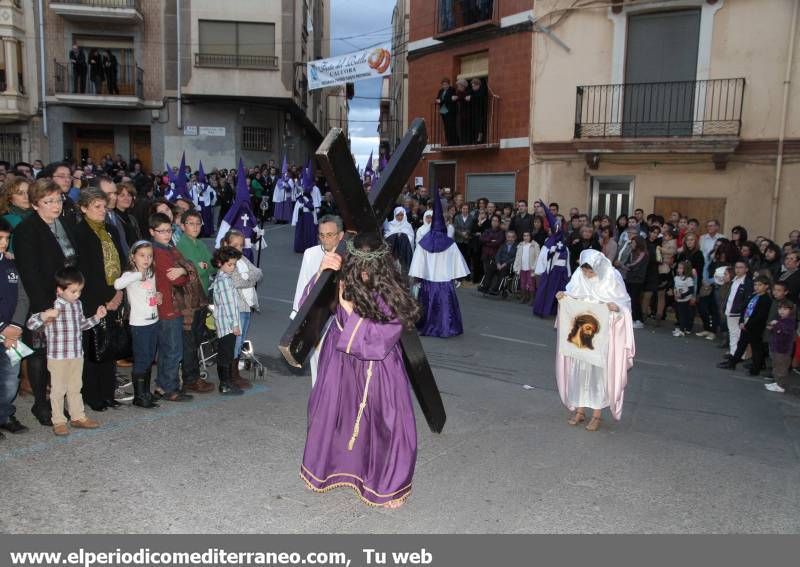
{"points": [[697, 449]]}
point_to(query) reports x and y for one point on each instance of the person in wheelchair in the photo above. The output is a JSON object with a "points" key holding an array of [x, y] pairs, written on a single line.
{"points": [[498, 270]]}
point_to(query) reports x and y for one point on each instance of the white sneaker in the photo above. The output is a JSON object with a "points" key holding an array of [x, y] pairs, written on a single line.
{"points": [[678, 333], [702, 334], [710, 336], [638, 325], [773, 387]]}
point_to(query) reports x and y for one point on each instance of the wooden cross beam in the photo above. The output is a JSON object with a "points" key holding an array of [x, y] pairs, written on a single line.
{"points": [[364, 213]]}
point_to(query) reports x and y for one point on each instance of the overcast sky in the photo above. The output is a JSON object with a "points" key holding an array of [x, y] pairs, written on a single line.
{"points": [[358, 24]]}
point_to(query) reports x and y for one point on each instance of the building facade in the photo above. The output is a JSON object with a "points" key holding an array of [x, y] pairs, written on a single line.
{"points": [[108, 96], [220, 81], [669, 106], [485, 150], [20, 122]]}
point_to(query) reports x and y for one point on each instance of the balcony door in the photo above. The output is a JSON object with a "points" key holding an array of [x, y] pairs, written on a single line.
{"points": [[660, 73]]}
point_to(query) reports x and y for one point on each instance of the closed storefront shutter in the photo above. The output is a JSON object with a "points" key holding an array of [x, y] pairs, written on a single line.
{"points": [[497, 187]]}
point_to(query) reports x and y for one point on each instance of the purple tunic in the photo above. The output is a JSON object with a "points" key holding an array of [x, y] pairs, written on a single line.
{"points": [[361, 428], [556, 275], [442, 312]]}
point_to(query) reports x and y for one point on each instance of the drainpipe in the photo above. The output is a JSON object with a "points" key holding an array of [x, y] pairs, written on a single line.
{"points": [[180, 62], [43, 86], [787, 81]]}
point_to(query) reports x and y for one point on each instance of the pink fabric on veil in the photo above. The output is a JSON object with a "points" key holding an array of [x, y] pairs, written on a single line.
{"points": [[621, 350]]}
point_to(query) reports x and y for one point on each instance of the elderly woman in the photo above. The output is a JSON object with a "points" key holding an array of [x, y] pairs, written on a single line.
{"points": [[14, 203], [101, 261], [43, 245]]}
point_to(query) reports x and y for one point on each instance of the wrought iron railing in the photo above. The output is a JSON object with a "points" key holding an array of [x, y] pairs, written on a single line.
{"points": [[455, 15], [130, 4], [681, 109], [129, 81], [474, 123], [236, 61]]}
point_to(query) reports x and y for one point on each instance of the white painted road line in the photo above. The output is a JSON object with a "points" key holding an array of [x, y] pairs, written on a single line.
{"points": [[509, 339]]}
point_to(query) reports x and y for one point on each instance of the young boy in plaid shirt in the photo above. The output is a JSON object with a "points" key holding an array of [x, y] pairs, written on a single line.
{"points": [[226, 316], [63, 327]]}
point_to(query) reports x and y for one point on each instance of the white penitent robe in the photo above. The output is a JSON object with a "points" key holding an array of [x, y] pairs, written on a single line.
{"points": [[312, 258]]}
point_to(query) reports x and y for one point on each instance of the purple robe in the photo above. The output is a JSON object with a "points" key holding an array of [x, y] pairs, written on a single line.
{"points": [[361, 427], [556, 274]]}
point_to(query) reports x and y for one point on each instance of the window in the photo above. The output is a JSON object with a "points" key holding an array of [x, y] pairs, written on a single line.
{"points": [[236, 44], [257, 138], [11, 147], [474, 65]]}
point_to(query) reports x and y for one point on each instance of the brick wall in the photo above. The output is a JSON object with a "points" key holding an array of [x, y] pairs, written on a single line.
{"points": [[423, 14], [480, 161]]}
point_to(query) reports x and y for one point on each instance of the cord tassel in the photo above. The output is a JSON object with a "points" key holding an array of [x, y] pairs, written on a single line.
{"points": [[361, 407]]}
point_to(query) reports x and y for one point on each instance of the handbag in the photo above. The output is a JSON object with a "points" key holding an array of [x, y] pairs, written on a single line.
{"points": [[121, 339], [97, 342]]}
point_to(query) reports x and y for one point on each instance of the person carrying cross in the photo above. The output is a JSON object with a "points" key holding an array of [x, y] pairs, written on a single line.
{"points": [[360, 410]]}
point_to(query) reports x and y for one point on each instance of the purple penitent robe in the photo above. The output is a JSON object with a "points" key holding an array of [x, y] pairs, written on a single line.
{"points": [[361, 428]]}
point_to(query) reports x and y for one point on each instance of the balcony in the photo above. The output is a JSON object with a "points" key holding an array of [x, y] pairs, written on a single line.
{"points": [[104, 11], [80, 91], [472, 129], [268, 62], [681, 116], [454, 17]]}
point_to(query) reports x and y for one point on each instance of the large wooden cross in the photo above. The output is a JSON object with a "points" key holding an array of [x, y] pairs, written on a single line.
{"points": [[362, 212]]}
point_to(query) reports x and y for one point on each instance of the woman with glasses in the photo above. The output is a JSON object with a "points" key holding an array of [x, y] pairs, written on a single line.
{"points": [[14, 204], [43, 245]]}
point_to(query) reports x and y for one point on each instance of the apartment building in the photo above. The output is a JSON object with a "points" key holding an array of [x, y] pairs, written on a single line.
{"points": [[241, 88], [484, 153], [668, 106], [218, 80], [20, 127]]}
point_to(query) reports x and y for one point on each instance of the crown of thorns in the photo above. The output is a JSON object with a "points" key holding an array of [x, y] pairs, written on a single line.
{"points": [[368, 255]]}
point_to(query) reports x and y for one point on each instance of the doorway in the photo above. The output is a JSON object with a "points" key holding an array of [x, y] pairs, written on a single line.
{"points": [[660, 73], [702, 209], [442, 174], [611, 196], [140, 147], [92, 142]]}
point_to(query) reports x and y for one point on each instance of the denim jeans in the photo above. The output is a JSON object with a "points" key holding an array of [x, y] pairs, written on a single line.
{"points": [[145, 343], [191, 343], [244, 325], [170, 352], [9, 383]]}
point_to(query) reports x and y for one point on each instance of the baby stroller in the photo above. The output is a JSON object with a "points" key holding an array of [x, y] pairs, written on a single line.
{"points": [[208, 352]]}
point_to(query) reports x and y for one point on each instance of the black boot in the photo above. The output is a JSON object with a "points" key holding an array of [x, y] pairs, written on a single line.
{"points": [[226, 385], [141, 392]]}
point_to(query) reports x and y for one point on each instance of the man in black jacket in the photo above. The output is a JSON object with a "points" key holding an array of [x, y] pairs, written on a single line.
{"points": [[522, 221], [78, 61], [447, 109], [752, 324]]}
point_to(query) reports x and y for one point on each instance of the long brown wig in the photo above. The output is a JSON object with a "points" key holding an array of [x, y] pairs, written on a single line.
{"points": [[371, 257]]}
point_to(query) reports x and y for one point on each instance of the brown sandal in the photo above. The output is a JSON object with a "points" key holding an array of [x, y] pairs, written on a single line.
{"points": [[577, 417], [594, 424]]}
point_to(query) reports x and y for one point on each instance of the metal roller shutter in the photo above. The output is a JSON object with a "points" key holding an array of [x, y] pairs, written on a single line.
{"points": [[497, 187]]}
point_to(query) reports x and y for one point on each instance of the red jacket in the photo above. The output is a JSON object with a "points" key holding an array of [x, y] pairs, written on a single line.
{"points": [[165, 258]]}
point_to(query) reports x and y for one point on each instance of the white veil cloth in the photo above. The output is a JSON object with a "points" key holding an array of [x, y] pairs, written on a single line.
{"points": [[399, 227], [606, 287]]}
